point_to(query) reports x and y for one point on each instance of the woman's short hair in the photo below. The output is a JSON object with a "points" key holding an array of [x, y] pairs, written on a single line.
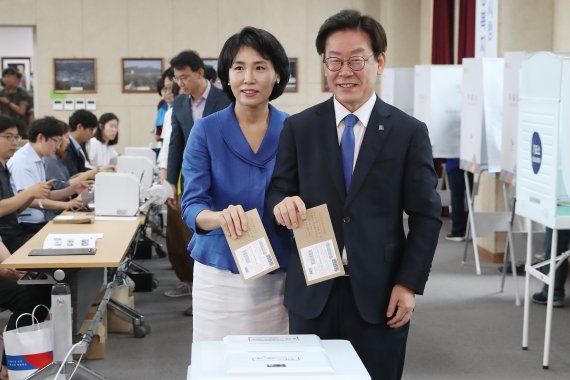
{"points": [[104, 119], [350, 19], [265, 44]]}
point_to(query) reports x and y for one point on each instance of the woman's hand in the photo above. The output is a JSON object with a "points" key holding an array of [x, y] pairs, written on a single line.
{"points": [[233, 221]]}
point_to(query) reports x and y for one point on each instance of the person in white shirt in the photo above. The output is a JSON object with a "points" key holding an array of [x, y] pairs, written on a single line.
{"points": [[100, 148], [169, 91]]}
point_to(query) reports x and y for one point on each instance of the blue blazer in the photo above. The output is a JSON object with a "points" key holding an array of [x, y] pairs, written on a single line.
{"points": [[220, 169]]}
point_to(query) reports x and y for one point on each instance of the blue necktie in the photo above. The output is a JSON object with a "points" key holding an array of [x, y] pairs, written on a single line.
{"points": [[347, 148]]}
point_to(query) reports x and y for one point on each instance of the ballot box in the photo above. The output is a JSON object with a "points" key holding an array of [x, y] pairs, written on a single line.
{"points": [[267, 357], [543, 156], [437, 102]]}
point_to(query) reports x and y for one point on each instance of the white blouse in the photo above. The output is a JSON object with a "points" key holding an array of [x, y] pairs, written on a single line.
{"points": [[100, 154]]}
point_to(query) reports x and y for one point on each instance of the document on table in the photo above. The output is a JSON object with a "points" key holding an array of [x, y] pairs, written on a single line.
{"points": [[252, 251], [318, 250], [71, 241]]}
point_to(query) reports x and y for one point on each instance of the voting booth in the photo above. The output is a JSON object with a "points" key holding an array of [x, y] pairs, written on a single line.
{"points": [[397, 88], [437, 102], [513, 62], [481, 114], [543, 165], [267, 357]]}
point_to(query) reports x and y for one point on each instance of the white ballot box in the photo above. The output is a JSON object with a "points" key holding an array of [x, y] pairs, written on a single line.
{"points": [[437, 102], [543, 154], [481, 114], [266, 357], [141, 167], [397, 88], [141, 152], [116, 194], [513, 62]]}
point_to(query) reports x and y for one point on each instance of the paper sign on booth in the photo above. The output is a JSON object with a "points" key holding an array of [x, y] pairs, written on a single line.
{"points": [[252, 251], [318, 250]]}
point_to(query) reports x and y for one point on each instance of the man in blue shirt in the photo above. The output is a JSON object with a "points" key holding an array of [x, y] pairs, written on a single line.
{"points": [[27, 169], [11, 232]]}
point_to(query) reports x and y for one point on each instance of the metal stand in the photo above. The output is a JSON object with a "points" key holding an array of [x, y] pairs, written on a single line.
{"points": [[62, 333], [510, 248], [481, 223], [533, 270]]}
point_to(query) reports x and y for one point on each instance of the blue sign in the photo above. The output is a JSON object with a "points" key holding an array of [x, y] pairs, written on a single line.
{"points": [[536, 153]]}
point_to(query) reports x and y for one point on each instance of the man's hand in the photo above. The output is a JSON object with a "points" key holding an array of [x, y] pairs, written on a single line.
{"points": [[79, 187], [233, 221], [38, 191], [4, 100], [11, 274], [289, 210], [402, 303], [163, 174], [74, 204]]}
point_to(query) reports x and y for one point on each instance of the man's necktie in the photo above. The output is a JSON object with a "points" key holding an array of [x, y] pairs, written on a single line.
{"points": [[347, 148]]}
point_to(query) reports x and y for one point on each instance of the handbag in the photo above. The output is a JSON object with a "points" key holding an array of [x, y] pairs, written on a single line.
{"points": [[28, 348]]}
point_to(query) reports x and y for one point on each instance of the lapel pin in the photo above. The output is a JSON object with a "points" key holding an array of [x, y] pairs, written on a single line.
{"points": [[380, 127]]}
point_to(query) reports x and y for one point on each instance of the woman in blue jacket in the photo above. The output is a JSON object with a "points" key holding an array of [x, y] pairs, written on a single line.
{"points": [[227, 166]]}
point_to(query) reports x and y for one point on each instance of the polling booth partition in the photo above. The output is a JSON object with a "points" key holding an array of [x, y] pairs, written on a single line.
{"points": [[437, 102], [481, 120], [543, 166]]}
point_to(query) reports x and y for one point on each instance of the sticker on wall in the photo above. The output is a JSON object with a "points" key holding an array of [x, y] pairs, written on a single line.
{"points": [[80, 104], [69, 105], [57, 105], [91, 105]]}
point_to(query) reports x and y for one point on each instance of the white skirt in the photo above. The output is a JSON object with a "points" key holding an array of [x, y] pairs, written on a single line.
{"points": [[223, 304]]}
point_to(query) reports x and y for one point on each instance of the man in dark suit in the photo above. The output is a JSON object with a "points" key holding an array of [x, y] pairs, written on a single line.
{"points": [[82, 124], [197, 99], [369, 162]]}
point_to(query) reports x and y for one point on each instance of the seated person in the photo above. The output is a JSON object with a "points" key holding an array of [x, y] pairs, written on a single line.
{"points": [[100, 148], [20, 299], [27, 169], [82, 124], [10, 204]]}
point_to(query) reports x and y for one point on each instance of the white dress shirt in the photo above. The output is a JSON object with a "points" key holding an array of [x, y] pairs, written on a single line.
{"points": [[100, 154], [363, 115], [165, 135]]}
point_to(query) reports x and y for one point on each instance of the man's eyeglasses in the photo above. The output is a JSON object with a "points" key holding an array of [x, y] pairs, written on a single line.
{"points": [[356, 63], [15, 138], [56, 140], [181, 78]]}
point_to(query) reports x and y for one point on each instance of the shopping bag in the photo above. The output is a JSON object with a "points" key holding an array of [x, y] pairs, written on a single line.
{"points": [[28, 348]]}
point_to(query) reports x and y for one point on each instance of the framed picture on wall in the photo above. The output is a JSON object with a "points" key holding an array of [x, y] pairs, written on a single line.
{"points": [[293, 80], [23, 66], [74, 75], [211, 62], [324, 84], [139, 75]]}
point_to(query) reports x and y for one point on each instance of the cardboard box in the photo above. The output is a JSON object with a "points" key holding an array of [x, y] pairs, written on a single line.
{"points": [[123, 294], [97, 347]]}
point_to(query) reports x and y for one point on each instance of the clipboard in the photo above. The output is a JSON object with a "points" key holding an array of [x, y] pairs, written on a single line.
{"points": [[253, 245], [315, 235]]}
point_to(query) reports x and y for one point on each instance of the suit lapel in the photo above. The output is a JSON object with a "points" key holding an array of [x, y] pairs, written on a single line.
{"points": [[188, 112], [375, 136], [211, 101], [329, 135]]}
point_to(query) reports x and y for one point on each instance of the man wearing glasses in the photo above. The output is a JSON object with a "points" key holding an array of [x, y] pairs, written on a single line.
{"points": [[197, 99], [369, 162], [27, 170]]}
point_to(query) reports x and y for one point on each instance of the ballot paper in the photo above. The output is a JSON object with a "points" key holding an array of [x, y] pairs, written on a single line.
{"points": [[318, 250], [252, 251], [71, 241]]}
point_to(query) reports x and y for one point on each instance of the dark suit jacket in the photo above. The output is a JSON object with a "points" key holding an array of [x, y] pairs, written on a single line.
{"points": [[393, 173], [182, 123], [74, 160]]}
